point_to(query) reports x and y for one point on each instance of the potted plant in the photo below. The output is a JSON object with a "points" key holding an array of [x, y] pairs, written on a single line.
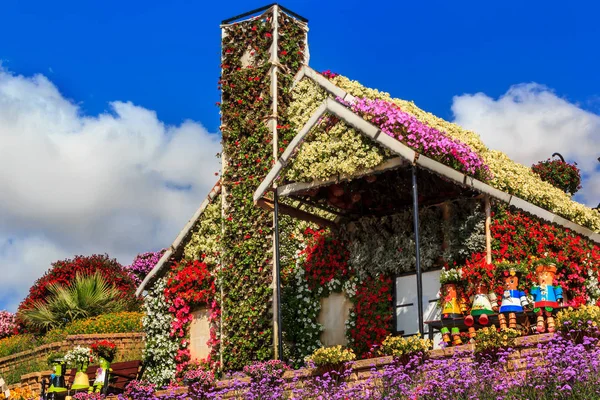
{"points": [[105, 351], [80, 357], [404, 349], [575, 324], [333, 360], [489, 341]]}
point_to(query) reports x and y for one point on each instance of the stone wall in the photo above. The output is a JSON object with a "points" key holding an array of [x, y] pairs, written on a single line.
{"points": [[29, 367]]}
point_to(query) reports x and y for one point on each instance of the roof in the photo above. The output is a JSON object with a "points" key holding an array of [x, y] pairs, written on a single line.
{"points": [[329, 105], [178, 244]]}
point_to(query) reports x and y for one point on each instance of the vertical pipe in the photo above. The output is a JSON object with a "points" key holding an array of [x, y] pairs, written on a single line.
{"points": [[417, 248], [277, 277], [488, 232]]}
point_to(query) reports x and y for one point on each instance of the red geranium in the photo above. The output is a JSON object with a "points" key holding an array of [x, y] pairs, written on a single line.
{"points": [[105, 349]]}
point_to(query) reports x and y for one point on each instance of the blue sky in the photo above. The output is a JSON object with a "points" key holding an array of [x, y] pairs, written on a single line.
{"points": [[107, 109], [165, 55]]}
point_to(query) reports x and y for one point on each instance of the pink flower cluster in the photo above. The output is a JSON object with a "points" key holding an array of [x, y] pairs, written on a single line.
{"points": [[7, 324], [142, 264], [422, 138]]}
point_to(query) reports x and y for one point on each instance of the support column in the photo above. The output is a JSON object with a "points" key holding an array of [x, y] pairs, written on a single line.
{"points": [[488, 232], [417, 248], [277, 339], [277, 292]]}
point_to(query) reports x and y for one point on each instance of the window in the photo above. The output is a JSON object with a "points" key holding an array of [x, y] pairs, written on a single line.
{"points": [[407, 316]]}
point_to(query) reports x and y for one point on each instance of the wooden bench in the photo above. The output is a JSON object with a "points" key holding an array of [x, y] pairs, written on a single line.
{"points": [[120, 374]]}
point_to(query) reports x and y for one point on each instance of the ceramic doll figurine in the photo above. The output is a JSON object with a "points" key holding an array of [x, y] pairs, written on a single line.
{"points": [[452, 307], [484, 304], [513, 299], [546, 297]]}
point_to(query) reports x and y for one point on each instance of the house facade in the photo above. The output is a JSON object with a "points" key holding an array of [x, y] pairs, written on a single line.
{"points": [[336, 210]]}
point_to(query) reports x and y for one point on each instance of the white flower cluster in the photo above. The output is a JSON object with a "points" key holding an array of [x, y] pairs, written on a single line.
{"points": [[593, 287], [78, 356], [307, 313], [350, 291], [161, 348]]}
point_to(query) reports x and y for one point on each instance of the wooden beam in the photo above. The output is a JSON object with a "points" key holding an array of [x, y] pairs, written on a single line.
{"points": [[268, 205], [488, 232]]}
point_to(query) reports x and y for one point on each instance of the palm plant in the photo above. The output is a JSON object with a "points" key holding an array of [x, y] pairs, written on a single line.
{"points": [[86, 297]]}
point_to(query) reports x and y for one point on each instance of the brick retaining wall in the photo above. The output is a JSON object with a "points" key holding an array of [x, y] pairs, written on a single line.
{"points": [[129, 345], [362, 369]]}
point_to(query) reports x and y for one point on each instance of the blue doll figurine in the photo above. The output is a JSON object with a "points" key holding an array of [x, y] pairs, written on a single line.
{"points": [[513, 299], [546, 297]]}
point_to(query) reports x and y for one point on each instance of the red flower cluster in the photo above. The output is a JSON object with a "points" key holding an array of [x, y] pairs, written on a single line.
{"points": [[326, 258], [517, 237], [105, 349], [373, 314], [189, 285]]}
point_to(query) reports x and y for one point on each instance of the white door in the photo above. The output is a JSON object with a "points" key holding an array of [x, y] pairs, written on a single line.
{"points": [[407, 316]]}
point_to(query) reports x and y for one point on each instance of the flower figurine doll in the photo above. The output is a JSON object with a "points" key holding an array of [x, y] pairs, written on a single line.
{"points": [[546, 297], [484, 304], [105, 351], [513, 299], [452, 304]]}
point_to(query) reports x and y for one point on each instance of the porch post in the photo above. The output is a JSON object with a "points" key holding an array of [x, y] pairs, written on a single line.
{"points": [[488, 233], [417, 248], [277, 286]]}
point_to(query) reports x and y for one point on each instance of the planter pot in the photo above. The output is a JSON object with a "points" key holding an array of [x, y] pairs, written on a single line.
{"points": [[335, 371], [81, 380], [404, 360]]}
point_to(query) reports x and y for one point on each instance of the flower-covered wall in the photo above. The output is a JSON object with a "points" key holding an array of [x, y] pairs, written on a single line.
{"points": [[246, 111]]}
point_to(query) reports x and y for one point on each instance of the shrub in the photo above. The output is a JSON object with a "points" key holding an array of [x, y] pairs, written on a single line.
{"points": [[334, 355], [16, 344], [400, 347], [121, 322], [7, 324], [63, 272], [87, 296], [53, 336]]}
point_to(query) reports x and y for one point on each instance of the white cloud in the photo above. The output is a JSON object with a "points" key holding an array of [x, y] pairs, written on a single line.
{"points": [[530, 123], [117, 183]]}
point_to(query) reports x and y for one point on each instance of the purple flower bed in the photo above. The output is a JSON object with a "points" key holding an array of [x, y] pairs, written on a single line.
{"points": [[420, 137], [559, 369], [142, 264]]}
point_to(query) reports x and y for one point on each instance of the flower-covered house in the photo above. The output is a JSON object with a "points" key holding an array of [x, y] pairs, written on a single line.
{"points": [[337, 209]]}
